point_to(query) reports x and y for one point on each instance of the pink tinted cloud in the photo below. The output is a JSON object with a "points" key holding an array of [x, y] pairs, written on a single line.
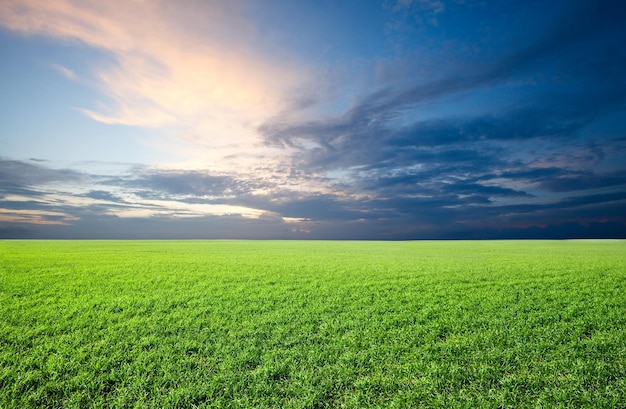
{"points": [[191, 64]]}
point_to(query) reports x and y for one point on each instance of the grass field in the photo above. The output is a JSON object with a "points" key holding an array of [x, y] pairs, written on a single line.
{"points": [[299, 324]]}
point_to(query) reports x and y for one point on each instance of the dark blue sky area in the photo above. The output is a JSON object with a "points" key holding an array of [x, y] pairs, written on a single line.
{"points": [[407, 119]]}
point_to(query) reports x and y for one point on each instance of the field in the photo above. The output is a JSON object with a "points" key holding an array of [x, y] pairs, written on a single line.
{"points": [[312, 324]]}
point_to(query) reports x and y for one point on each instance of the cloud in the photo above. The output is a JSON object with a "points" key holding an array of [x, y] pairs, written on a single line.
{"points": [[179, 209], [192, 65], [533, 148], [40, 217], [15, 172], [194, 183], [410, 156], [155, 203], [64, 71], [581, 180], [379, 155], [577, 40], [38, 191], [103, 195]]}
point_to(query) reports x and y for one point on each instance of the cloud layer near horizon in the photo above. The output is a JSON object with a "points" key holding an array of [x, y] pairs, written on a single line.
{"points": [[155, 203], [455, 132]]}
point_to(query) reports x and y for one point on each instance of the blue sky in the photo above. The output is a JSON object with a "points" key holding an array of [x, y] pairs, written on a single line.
{"points": [[392, 119]]}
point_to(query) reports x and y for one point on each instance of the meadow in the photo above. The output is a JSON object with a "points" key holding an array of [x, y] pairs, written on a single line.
{"points": [[312, 324]]}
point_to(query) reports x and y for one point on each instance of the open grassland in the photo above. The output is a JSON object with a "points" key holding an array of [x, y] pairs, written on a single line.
{"points": [[270, 324]]}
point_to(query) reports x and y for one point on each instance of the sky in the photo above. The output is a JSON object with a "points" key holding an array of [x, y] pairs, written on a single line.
{"points": [[312, 119]]}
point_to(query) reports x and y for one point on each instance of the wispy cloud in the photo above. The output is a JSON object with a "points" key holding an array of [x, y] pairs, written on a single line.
{"points": [[39, 217], [64, 71], [193, 65]]}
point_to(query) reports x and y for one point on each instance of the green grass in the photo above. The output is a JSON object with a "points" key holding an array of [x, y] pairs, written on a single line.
{"points": [[238, 324]]}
